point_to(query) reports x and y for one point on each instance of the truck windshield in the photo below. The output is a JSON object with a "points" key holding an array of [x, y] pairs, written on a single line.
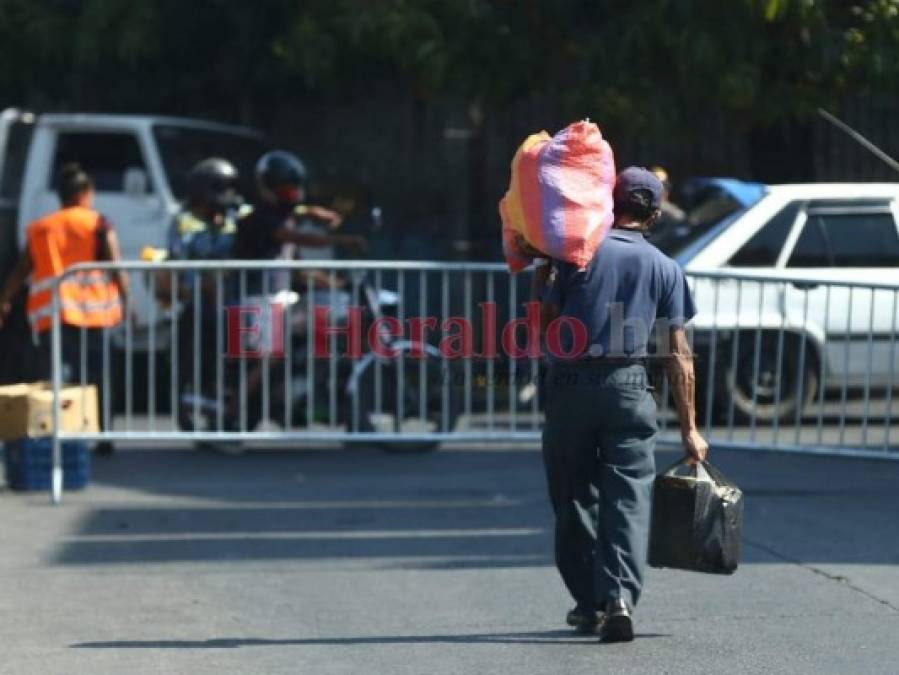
{"points": [[183, 146]]}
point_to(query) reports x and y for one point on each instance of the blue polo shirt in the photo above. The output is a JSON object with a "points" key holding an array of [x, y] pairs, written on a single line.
{"points": [[621, 295]]}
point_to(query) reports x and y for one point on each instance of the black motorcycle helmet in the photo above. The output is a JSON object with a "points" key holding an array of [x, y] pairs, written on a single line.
{"points": [[212, 182], [281, 177]]}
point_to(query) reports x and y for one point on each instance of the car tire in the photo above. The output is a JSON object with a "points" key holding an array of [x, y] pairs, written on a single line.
{"points": [[769, 405]]}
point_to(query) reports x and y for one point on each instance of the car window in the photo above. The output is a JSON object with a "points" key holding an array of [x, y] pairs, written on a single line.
{"points": [[105, 156], [764, 247], [847, 240], [713, 206], [811, 248], [862, 240]]}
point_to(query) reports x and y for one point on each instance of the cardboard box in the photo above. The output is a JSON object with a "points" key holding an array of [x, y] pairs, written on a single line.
{"points": [[26, 410]]}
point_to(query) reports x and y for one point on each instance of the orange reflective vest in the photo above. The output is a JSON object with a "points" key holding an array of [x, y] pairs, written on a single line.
{"points": [[56, 242]]}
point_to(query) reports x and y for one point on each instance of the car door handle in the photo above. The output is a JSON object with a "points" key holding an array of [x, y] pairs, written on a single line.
{"points": [[805, 285]]}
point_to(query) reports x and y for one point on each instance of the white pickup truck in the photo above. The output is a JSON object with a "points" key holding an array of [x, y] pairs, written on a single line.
{"points": [[138, 162]]}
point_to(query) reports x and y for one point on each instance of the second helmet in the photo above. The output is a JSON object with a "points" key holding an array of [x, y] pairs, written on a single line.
{"points": [[282, 175]]}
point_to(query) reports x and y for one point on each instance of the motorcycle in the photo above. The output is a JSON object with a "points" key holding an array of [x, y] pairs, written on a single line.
{"points": [[409, 392]]}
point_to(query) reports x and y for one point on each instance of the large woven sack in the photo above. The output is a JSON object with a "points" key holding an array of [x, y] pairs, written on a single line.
{"points": [[560, 196]]}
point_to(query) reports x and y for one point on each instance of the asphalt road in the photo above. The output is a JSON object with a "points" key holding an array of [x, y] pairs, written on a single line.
{"points": [[357, 562]]}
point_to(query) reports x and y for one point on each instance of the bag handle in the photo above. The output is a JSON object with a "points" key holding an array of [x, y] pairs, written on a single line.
{"points": [[700, 470], [671, 470]]}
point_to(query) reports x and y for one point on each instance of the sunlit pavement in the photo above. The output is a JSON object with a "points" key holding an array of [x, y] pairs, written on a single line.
{"points": [[331, 561]]}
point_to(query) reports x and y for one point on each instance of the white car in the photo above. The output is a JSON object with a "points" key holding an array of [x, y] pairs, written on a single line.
{"points": [[818, 321]]}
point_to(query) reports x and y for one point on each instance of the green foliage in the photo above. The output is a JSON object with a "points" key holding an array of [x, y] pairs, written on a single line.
{"points": [[651, 64]]}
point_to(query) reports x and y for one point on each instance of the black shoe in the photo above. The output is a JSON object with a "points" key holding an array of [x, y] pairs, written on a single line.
{"points": [[104, 449], [617, 626], [581, 621]]}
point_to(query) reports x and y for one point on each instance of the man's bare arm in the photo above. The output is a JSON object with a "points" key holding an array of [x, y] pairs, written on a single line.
{"points": [[330, 218], [549, 312], [682, 378], [539, 280]]}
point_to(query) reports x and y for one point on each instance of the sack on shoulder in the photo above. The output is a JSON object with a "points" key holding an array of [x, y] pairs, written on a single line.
{"points": [[696, 520], [560, 196]]}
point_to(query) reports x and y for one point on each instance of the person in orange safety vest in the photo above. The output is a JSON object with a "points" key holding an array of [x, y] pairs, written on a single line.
{"points": [[90, 302]]}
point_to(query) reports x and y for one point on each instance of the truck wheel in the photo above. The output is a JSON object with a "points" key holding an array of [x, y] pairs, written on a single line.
{"points": [[770, 404]]}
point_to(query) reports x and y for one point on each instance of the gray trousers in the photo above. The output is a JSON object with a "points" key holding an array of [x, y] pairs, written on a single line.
{"points": [[598, 444]]}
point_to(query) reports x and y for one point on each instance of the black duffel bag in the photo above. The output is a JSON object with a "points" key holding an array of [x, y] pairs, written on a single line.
{"points": [[696, 520]]}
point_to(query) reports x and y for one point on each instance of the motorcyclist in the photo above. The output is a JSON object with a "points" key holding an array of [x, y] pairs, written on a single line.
{"points": [[204, 229], [270, 230]]}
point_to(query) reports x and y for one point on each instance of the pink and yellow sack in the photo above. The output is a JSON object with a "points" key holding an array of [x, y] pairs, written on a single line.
{"points": [[560, 196]]}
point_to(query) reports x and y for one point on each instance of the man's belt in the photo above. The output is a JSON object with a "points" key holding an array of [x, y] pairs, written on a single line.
{"points": [[609, 361]]}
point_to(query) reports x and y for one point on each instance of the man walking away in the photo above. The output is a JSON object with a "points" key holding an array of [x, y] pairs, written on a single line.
{"points": [[89, 302], [600, 431]]}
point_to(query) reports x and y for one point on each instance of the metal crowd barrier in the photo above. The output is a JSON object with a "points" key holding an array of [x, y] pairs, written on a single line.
{"points": [[235, 351]]}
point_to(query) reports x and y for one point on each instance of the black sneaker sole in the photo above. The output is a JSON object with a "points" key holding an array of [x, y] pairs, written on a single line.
{"points": [[618, 629]]}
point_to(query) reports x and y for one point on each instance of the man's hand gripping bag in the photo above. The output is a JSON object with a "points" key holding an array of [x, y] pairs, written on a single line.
{"points": [[696, 521]]}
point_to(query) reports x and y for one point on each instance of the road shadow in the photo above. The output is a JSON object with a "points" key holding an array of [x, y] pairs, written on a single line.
{"points": [[531, 638], [454, 509], [442, 511]]}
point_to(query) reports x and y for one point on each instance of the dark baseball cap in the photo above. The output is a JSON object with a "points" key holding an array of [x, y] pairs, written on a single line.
{"points": [[637, 178]]}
